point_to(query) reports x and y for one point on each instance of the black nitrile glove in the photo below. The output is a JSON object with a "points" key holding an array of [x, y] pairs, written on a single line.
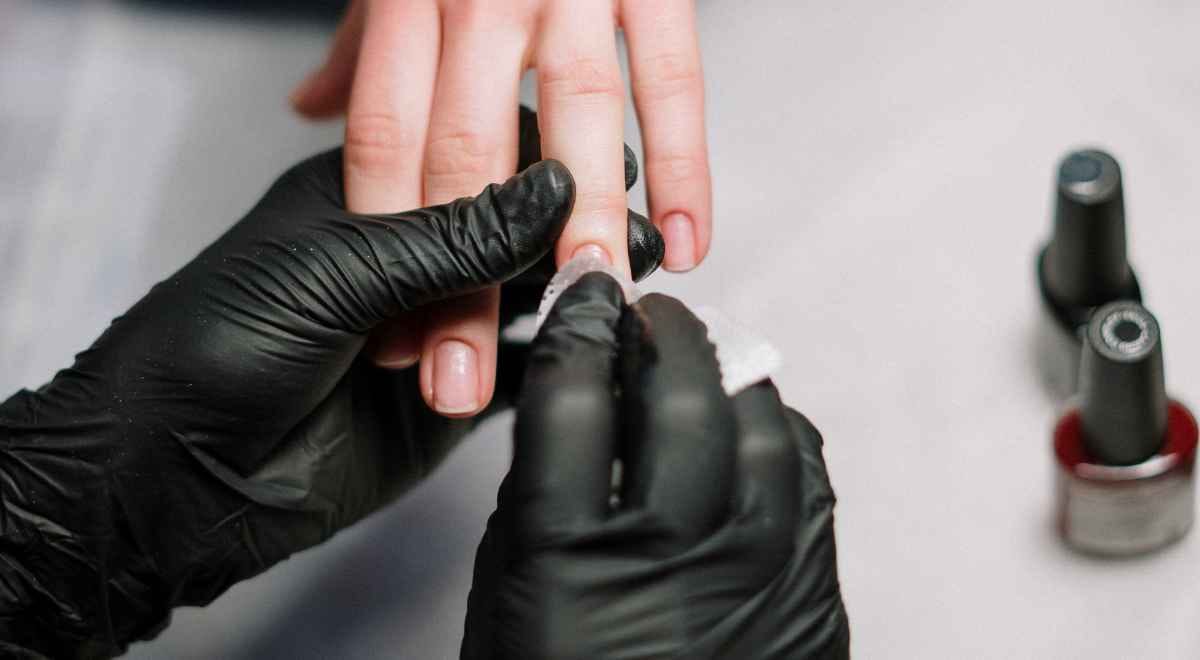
{"points": [[718, 541], [227, 420]]}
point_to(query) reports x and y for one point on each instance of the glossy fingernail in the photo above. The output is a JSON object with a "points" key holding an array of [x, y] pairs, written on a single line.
{"points": [[395, 361], [455, 378], [679, 233], [593, 251]]}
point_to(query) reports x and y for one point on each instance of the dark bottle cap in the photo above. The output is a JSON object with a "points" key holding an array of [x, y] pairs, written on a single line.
{"points": [[1123, 408], [1085, 263]]}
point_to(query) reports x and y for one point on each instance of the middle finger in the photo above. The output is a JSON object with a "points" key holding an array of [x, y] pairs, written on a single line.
{"points": [[472, 142], [581, 100]]}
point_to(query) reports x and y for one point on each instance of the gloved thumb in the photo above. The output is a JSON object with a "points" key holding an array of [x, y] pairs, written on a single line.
{"points": [[475, 242], [349, 272]]}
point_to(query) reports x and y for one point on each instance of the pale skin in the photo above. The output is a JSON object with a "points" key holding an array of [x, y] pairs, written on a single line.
{"points": [[430, 93]]}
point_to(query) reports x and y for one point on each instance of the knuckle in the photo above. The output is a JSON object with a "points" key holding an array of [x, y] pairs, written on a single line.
{"points": [[466, 10], [582, 78], [667, 76], [687, 403], [565, 411], [378, 142], [760, 447], [460, 152], [677, 168], [600, 202]]}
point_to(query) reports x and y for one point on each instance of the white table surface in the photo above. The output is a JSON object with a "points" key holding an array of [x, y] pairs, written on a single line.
{"points": [[883, 177]]}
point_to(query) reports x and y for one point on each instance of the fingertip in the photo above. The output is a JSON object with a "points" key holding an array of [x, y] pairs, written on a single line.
{"points": [[646, 246], [299, 94], [556, 176], [675, 330], [631, 168], [318, 96], [594, 298], [539, 200]]}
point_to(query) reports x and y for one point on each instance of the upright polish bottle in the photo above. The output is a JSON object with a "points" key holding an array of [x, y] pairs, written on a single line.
{"points": [[1126, 453], [1084, 265]]}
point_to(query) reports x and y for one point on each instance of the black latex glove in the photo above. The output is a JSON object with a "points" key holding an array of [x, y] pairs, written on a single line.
{"points": [[718, 541], [227, 420]]}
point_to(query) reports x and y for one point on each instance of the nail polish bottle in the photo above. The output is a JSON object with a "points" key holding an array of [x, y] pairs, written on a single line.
{"points": [[1084, 265], [1126, 453]]}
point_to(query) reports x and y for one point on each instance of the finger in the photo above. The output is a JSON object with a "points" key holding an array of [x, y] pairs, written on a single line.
{"points": [[684, 440], [646, 247], [581, 108], [472, 140], [326, 91], [668, 93], [389, 107], [530, 147], [768, 470], [568, 413], [473, 129]]}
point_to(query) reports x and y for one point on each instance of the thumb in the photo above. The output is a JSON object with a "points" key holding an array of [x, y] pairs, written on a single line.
{"points": [[453, 249]]}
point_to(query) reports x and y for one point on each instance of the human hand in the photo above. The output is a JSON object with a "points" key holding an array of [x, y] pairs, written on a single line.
{"points": [[430, 90], [227, 420], [718, 539]]}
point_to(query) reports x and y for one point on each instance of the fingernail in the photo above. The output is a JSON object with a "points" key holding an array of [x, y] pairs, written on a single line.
{"points": [[592, 251], [398, 361], [680, 236], [304, 88], [455, 378]]}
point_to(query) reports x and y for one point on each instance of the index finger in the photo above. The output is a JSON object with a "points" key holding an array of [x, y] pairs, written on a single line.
{"points": [[581, 99]]}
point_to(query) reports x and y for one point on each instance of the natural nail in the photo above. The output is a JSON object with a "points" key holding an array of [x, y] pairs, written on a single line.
{"points": [[455, 378], [397, 361], [594, 252], [679, 233]]}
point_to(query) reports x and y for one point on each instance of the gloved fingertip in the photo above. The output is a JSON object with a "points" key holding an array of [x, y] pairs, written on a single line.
{"points": [[555, 176], [596, 286], [676, 331], [590, 307], [631, 168], [546, 188], [646, 246], [533, 206]]}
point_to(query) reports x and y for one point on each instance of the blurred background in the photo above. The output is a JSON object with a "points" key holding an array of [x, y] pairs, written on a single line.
{"points": [[883, 176]]}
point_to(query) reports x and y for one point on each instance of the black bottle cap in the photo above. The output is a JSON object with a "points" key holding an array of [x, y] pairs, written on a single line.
{"points": [[1123, 406], [1085, 264]]}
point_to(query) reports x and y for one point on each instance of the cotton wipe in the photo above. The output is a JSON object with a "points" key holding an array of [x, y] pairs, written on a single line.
{"points": [[745, 356]]}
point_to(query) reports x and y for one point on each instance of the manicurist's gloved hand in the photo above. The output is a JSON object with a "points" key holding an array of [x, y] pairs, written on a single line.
{"points": [[717, 539], [229, 419]]}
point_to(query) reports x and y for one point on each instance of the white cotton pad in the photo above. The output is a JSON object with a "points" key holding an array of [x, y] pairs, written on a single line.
{"points": [[745, 356]]}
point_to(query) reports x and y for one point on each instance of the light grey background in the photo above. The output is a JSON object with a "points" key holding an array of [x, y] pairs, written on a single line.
{"points": [[882, 174]]}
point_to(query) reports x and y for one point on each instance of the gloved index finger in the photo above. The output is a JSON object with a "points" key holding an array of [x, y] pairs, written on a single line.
{"points": [[683, 434], [568, 416]]}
